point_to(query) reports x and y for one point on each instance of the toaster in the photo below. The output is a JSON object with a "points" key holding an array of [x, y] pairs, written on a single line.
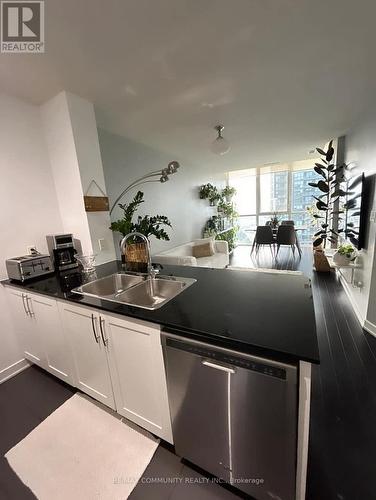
{"points": [[28, 266]]}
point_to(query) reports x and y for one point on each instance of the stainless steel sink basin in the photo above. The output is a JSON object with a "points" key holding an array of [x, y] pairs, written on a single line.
{"points": [[110, 286], [137, 290]]}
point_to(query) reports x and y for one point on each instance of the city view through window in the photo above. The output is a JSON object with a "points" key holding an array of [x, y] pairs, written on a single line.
{"points": [[281, 189]]}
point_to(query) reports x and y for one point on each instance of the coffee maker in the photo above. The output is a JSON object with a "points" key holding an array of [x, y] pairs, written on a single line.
{"points": [[62, 251]]}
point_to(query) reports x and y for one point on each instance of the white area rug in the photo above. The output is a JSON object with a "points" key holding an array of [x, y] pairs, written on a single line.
{"points": [[82, 452]]}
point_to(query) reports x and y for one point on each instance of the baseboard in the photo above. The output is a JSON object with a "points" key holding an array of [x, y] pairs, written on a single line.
{"points": [[370, 327], [346, 287], [12, 370], [364, 323]]}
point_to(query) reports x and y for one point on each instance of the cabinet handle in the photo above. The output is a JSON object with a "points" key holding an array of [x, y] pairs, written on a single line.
{"points": [[105, 341], [28, 306], [218, 367], [95, 333], [24, 305]]}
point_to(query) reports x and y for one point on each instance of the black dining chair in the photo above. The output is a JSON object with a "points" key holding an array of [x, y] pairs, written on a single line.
{"points": [[263, 236], [286, 235]]}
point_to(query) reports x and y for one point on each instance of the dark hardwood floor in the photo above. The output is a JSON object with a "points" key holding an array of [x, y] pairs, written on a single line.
{"points": [[342, 449], [25, 401]]}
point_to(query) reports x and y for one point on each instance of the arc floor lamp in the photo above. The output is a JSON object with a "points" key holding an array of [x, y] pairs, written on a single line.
{"points": [[156, 176]]}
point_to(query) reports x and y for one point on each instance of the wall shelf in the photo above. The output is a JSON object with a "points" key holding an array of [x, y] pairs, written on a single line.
{"points": [[333, 265]]}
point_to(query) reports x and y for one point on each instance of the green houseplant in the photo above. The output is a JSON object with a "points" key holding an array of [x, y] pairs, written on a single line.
{"points": [[228, 193], [216, 225], [327, 202], [227, 209], [206, 190], [146, 225], [345, 254], [274, 220]]}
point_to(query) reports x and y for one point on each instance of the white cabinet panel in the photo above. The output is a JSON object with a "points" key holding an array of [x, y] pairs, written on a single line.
{"points": [[115, 360], [89, 353], [48, 324], [138, 374], [25, 326]]}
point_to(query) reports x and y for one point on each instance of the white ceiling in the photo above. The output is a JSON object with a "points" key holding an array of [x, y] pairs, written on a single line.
{"points": [[282, 75]]}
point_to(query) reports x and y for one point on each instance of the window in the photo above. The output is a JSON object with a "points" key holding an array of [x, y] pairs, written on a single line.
{"points": [[244, 181], [301, 192], [280, 188], [273, 191]]}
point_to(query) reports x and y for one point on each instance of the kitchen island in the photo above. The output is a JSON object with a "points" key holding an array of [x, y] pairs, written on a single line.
{"points": [[260, 313], [259, 318]]}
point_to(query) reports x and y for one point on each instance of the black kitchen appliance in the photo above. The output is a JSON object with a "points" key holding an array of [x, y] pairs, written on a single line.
{"points": [[62, 251]]}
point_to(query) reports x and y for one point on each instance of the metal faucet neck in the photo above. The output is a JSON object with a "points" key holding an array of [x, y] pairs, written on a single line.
{"points": [[123, 244]]}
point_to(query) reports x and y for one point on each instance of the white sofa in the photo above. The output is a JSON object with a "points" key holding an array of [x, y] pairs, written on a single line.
{"points": [[182, 256]]}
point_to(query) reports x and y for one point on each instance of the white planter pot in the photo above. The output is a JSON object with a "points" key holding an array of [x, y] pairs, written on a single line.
{"points": [[341, 260]]}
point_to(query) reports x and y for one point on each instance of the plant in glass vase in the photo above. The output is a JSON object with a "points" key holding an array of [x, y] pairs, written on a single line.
{"points": [[274, 220], [136, 253]]}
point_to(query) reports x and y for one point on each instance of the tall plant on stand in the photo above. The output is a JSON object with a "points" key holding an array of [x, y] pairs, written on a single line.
{"points": [[327, 203]]}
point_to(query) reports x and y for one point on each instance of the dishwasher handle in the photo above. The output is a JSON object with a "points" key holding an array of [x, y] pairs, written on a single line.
{"points": [[218, 367]]}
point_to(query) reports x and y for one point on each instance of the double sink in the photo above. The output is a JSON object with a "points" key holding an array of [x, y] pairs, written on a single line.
{"points": [[136, 289]]}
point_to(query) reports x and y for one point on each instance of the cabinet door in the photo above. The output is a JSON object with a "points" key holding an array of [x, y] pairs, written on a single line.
{"points": [[89, 353], [48, 324], [25, 328], [136, 361]]}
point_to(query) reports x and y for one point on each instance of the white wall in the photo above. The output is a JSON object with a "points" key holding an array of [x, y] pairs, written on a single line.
{"points": [[65, 169], [361, 149], [72, 139], [85, 134], [125, 160], [28, 205]]}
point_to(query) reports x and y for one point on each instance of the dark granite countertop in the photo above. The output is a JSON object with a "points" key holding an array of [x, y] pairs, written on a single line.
{"points": [[270, 315]]}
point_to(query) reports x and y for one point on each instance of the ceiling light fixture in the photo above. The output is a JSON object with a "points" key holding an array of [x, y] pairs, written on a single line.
{"points": [[220, 146]]}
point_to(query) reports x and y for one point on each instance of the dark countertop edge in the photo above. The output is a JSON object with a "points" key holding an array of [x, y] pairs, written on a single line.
{"points": [[207, 337], [239, 346]]}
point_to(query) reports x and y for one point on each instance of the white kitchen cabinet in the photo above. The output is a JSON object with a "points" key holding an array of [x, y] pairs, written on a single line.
{"points": [[58, 357], [82, 327], [138, 374], [25, 327], [114, 359], [38, 326]]}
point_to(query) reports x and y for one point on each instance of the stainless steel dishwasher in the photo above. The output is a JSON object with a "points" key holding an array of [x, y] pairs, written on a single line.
{"points": [[234, 415]]}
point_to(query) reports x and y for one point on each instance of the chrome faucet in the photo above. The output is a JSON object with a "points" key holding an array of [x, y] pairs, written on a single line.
{"points": [[151, 271]]}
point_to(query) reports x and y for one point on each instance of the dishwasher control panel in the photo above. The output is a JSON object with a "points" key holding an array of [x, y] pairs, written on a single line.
{"points": [[229, 358]]}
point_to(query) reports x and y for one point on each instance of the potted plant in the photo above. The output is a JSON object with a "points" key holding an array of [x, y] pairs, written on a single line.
{"points": [[227, 209], [327, 204], [206, 190], [228, 193], [214, 197], [345, 254], [274, 221], [136, 253]]}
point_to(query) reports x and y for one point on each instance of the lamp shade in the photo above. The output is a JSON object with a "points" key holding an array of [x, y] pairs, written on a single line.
{"points": [[220, 146]]}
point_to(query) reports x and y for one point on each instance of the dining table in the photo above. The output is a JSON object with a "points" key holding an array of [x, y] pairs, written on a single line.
{"points": [[275, 230]]}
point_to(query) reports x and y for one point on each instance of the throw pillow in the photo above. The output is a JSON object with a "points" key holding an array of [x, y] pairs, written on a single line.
{"points": [[204, 250]]}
